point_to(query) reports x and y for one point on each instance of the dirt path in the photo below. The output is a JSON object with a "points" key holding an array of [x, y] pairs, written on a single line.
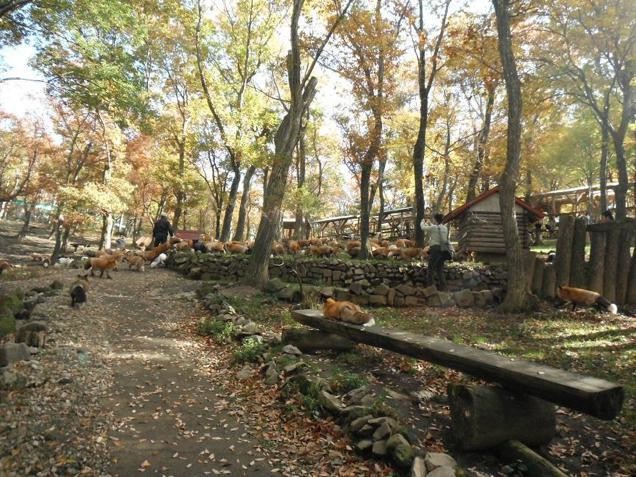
{"points": [[154, 406]]}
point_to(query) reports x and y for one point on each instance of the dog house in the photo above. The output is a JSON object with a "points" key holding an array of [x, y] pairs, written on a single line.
{"points": [[480, 228]]}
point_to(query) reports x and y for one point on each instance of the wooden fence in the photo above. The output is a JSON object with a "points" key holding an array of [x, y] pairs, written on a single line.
{"points": [[610, 270]]}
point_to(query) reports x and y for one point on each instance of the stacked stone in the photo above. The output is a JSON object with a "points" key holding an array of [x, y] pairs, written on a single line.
{"points": [[379, 284]]}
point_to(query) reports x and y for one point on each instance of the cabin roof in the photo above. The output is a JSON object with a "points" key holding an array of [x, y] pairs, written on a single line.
{"points": [[484, 195]]}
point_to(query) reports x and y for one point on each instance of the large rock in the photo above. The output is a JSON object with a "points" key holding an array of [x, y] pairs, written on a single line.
{"points": [[274, 285], [464, 298], [360, 422], [33, 334], [418, 467], [401, 451], [12, 352], [291, 349], [330, 402], [382, 432], [446, 299], [434, 460], [271, 375], [379, 448], [442, 472]]}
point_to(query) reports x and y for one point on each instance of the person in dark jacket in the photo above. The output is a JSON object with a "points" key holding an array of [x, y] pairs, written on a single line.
{"points": [[161, 229]]}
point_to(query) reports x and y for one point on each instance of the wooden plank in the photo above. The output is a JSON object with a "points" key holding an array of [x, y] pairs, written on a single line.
{"points": [[593, 396]]}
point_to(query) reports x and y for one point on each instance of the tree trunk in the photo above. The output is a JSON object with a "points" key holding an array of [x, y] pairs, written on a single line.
{"points": [[514, 451], [482, 143], [365, 212], [239, 234], [26, 224], [548, 285], [418, 154], [483, 417], [602, 171], [57, 231], [620, 191], [300, 182], [516, 295], [537, 277], [231, 203], [285, 141]]}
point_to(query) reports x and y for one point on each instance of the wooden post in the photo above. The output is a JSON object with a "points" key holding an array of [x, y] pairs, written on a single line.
{"points": [[611, 263], [548, 285], [528, 267], [597, 261], [537, 277], [563, 259], [631, 286], [577, 265], [483, 417], [626, 238]]}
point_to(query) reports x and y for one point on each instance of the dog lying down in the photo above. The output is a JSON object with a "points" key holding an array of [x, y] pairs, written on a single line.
{"points": [[160, 261]]}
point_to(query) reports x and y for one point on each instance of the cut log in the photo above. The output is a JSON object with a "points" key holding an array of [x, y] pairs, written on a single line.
{"points": [[597, 262], [577, 266], [538, 466], [548, 287], [563, 259], [310, 341], [611, 264], [596, 397], [483, 417], [537, 277], [625, 243]]}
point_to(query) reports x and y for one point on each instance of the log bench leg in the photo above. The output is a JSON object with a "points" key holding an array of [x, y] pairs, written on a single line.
{"points": [[484, 417], [309, 341]]}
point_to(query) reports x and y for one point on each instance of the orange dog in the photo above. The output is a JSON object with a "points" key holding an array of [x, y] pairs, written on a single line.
{"points": [[347, 312], [104, 263]]}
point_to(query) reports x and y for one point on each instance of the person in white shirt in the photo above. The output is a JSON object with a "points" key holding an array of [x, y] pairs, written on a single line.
{"points": [[437, 235]]}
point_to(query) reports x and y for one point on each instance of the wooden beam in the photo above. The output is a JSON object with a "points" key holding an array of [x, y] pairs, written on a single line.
{"points": [[593, 396]]}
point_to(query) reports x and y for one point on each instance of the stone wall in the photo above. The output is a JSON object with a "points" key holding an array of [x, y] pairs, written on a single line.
{"points": [[392, 283]]}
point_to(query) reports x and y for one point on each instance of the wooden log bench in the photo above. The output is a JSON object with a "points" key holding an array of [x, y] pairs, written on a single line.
{"points": [[590, 395]]}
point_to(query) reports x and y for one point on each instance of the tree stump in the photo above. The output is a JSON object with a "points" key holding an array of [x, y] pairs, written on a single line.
{"points": [[537, 276], [563, 259], [625, 242], [597, 262], [309, 341], [484, 417], [611, 263], [548, 285], [577, 265]]}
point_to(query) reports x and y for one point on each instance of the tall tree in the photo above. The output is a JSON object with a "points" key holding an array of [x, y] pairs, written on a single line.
{"points": [[425, 80], [596, 46], [516, 294], [302, 90], [229, 55], [367, 54]]}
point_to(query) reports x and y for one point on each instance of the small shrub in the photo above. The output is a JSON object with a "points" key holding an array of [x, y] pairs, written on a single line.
{"points": [[343, 381], [250, 351], [221, 331], [7, 323]]}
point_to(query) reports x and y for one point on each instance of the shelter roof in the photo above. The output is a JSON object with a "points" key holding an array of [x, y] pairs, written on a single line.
{"points": [[484, 195]]}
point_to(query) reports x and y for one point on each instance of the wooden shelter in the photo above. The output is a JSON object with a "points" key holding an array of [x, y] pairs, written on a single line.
{"points": [[479, 223]]}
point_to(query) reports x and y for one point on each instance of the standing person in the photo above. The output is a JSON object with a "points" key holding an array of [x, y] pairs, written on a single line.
{"points": [[438, 235], [161, 229]]}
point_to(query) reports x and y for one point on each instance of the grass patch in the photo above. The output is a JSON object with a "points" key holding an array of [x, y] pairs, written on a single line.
{"points": [[221, 331], [342, 381]]}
